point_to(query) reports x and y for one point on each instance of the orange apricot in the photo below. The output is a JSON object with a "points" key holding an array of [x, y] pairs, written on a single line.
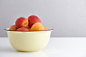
{"points": [[46, 28], [37, 27], [13, 27]]}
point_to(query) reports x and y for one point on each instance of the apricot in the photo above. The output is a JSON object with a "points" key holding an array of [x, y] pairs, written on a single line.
{"points": [[29, 29], [13, 27], [37, 27], [46, 28], [32, 20], [21, 22], [22, 29]]}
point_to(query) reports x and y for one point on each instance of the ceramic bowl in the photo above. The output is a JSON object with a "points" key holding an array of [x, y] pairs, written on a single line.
{"points": [[29, 40]]}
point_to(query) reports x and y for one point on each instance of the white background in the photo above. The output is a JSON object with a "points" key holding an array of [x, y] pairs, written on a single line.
{"points": [[57, 47], [66, 17]]}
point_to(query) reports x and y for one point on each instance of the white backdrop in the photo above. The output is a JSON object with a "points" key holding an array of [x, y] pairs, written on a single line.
{"points": [[66, 17]]}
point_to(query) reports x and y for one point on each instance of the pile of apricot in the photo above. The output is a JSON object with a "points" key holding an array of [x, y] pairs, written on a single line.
{"points": [[33, 23]]}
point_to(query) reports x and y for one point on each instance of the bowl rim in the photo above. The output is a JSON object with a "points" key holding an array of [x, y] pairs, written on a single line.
{"points": [[7, 29]]}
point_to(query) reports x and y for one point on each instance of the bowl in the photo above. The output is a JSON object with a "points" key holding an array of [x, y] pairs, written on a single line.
{"points": [[29, 40]]}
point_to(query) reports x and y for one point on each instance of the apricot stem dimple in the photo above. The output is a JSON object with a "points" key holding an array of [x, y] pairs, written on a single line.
{"points": [[25, 23]]}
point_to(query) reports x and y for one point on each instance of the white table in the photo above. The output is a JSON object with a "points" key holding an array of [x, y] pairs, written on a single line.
{"points": [[57, 47]]}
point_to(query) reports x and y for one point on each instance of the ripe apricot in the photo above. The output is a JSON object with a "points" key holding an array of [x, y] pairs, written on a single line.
{"points": [[13, 27], [46, 28], [33, 19], [21, 22], [37, 27], [22, 29]]}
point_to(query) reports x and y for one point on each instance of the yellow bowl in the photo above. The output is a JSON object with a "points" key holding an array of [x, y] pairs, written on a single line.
{"points": [[29, 40]]}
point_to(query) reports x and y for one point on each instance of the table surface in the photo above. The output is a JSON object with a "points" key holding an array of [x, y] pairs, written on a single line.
{"points": [[57, 47]]}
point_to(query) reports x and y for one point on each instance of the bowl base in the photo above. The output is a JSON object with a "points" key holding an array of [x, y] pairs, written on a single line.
{"points": [[28, 51]]}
